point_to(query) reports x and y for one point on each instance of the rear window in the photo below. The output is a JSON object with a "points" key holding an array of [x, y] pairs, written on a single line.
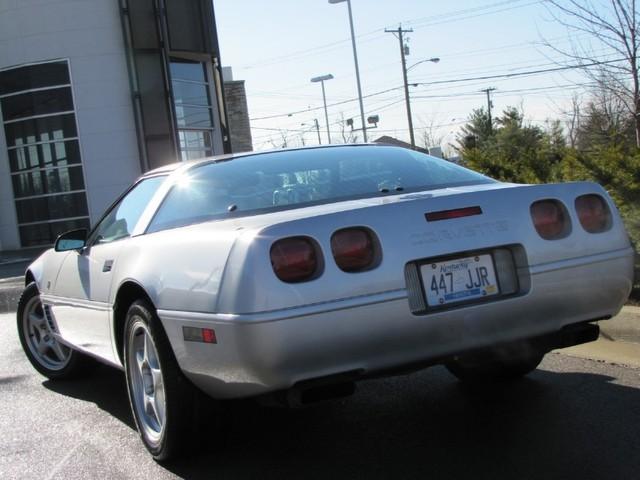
{"points": [[298, 178]]}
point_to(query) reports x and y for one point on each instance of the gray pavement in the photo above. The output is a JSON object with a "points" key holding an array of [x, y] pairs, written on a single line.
{"points": [[572, 418]]}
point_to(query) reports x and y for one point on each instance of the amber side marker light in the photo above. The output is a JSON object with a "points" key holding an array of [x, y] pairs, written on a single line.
{"points": [[294, 259], [353, 249], [549, 219], [593, 213], [204, 335]]}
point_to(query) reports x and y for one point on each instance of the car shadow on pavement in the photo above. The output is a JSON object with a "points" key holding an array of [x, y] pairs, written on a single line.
{"points": [[549, 425], [423, 425], [104, 386]]}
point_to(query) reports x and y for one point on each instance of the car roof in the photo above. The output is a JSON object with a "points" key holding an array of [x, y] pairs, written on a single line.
{"points": [[230, 156]]}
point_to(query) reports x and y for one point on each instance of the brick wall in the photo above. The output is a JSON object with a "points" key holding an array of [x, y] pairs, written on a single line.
{"points": [[238, 115]]}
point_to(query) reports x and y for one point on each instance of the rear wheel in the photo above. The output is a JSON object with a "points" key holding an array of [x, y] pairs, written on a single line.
{"points": [[162, 400], [500, 364], [37, 335]]}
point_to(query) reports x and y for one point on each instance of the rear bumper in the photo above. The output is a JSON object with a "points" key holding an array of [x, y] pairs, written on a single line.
{"points": [[263, 352]]}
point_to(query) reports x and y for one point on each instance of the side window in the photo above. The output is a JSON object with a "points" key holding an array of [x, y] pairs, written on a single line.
{"points": [[123, 217]]}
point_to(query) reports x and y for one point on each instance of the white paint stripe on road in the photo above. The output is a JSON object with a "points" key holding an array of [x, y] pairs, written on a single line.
{"points": [[63, 462]]}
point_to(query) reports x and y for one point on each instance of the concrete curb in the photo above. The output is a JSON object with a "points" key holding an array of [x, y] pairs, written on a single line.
{"points": [[10, 291], [13, 261], [624, 327]]}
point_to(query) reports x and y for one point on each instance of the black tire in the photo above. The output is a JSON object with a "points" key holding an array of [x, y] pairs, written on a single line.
{"points": [[36, 335], [164, 435], [501, 364]]}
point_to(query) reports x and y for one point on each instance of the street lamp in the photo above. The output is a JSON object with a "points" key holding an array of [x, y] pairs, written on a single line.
{"points": [[322, 79], [434, 60], [406, 91], [355, 60]]}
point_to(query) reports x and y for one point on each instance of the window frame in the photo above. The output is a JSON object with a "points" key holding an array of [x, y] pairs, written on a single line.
{"points": [[208, 83], [40, 144], [142, 222]]}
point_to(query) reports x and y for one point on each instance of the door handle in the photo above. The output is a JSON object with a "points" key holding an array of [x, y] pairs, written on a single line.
{"points": [[107, 265]]}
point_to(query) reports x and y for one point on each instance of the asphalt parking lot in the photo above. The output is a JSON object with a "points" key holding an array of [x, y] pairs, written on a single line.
{"points": [[572, 418]]}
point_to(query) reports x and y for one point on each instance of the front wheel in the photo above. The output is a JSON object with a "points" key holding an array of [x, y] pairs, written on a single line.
{"points": [[40, 343], [500, 364], [162, 399]]}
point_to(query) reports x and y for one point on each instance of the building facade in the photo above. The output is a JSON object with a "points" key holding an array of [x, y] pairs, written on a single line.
{"points": [[235, 96], [92, 94]]}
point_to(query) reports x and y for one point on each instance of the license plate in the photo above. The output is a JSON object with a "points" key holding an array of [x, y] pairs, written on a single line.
{"points": [[459, 280]]}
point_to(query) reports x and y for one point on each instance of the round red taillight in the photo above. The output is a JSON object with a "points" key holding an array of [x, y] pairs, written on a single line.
{"points": [[353, 249], [593, 213], [294, 259], [549, 219]]}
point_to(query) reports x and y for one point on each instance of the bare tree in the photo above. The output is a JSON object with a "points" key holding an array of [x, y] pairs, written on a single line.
{"points": [[430, 135], [613, 24], [348, 135], [572, 120], [604, 120], [284, 140]]}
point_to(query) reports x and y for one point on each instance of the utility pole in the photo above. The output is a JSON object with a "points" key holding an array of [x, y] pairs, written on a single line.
{"points": [[318, 130], [399, 31], [489, 105], [316, 126]]}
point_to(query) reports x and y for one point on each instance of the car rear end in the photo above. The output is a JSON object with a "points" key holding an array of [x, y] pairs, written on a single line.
{"points": [[384, 283]]}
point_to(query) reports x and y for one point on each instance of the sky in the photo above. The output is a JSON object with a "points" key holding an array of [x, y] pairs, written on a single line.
{"points": [[277, 46]]}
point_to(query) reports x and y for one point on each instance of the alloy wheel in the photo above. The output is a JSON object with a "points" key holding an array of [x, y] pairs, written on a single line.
{"points": [[40, 337], [147, 383]]}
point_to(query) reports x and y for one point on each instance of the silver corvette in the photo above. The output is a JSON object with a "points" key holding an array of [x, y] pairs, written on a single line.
{"points": [[293, 274]]}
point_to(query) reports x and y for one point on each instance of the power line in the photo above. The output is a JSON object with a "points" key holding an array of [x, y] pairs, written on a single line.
{"points": [[503, 93], [464, 11], [515, 67], [286, 90], [448, 17], [455, 95], [331, 105], [519, 74], [448, 81]]}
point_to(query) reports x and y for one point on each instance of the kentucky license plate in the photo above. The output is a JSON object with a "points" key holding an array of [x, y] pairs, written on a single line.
{"points": [[459, 280]]}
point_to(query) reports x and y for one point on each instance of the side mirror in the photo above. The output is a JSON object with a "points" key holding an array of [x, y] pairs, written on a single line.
{"points": [[72, 240]]}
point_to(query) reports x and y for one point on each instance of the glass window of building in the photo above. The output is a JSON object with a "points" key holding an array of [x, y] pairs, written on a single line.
{"points": [[191, 85], [44, 152]]}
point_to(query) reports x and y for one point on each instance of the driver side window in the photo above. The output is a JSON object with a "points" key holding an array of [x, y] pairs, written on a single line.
{"points": [[123, 217]]}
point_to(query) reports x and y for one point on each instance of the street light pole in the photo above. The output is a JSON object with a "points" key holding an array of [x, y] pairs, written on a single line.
{"points": [[355, 60], [326, 115], [322, 79]]}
